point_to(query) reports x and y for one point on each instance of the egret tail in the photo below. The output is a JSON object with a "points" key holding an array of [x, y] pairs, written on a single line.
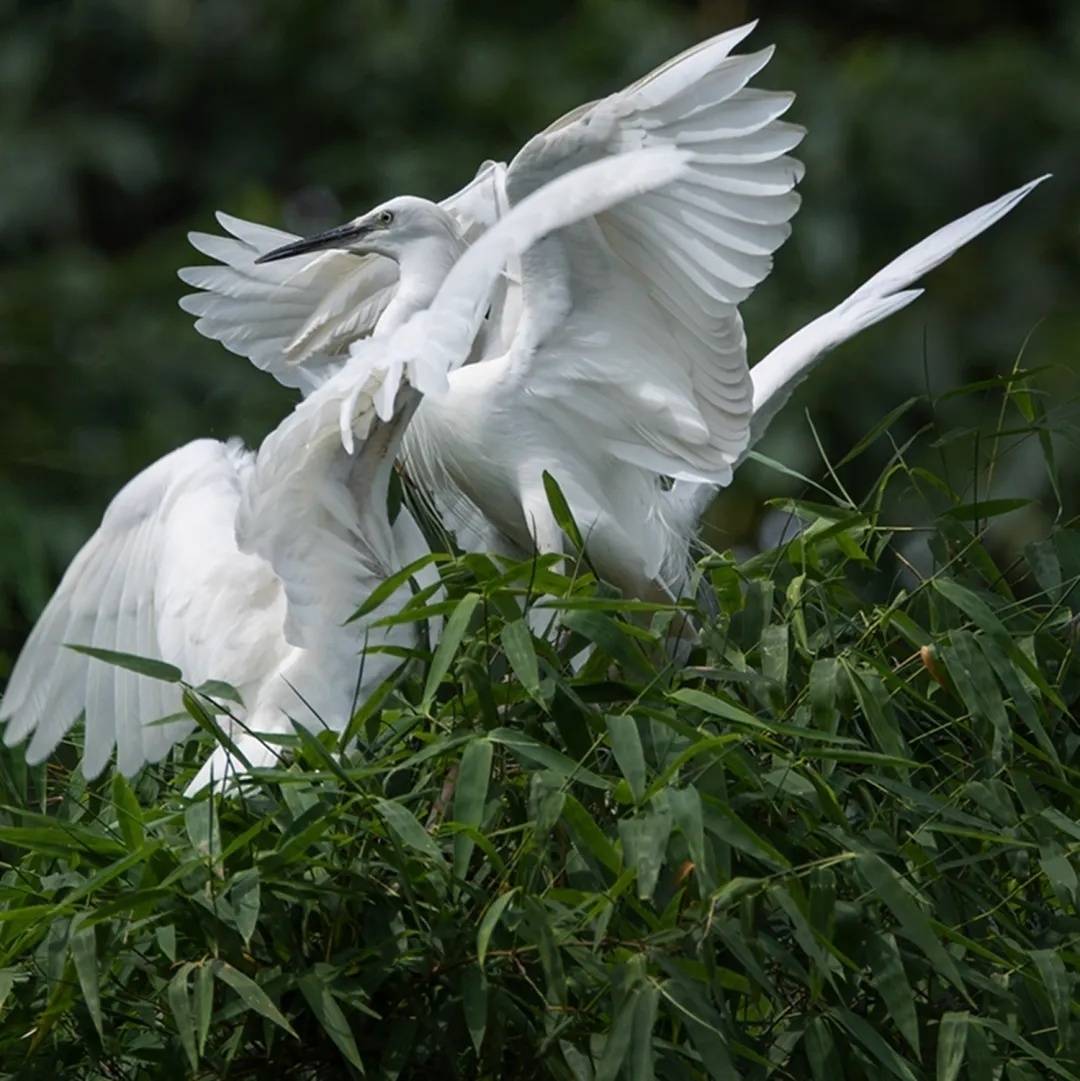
{"points": [[776, 377]]}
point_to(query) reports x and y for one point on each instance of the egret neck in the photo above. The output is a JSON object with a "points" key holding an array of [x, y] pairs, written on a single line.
{"points": [[423, 262], [417, 234]]}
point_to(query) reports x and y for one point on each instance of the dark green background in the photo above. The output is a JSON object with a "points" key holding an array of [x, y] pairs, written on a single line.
{"points": [[123, 124]]}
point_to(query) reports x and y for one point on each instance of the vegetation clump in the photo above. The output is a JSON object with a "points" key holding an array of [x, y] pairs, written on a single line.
{"points": [[839, 843]]}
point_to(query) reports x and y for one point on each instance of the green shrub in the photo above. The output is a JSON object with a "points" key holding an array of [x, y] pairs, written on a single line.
{"points": [[840, 843]]}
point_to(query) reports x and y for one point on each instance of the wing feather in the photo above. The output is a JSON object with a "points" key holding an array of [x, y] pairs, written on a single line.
{"points": [[108, 599], [678, 261], [296, 318]]}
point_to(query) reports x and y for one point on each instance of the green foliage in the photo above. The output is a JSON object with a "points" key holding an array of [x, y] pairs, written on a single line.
{"points": [[840, 843]]}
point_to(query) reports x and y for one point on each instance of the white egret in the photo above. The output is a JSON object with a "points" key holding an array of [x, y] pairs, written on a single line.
{"points": [[617, 354], [245, 567], [622, 356]]}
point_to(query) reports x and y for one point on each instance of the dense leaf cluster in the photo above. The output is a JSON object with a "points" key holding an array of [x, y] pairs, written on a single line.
{"points": [[840, 843]]}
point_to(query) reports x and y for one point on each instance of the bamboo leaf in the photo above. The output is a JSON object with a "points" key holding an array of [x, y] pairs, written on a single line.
{"points": [[452, 635], [913, 921], [83, 946], [143, 666], [488, 923], [626, 745], [180, 1005], [128, 812], [470, 797], [890, 979], [251, 994], [645, 841], [474, 1001], [517, 644], [314, 988], [952, 1042]]}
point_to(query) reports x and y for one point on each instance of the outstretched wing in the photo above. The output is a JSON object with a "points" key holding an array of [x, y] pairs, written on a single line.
{"points": [[157, 580], [634, 313], [295, 318], [328, 464]]}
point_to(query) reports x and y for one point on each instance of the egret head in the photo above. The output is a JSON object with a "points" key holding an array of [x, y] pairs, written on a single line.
{"points": [[390, 229]]}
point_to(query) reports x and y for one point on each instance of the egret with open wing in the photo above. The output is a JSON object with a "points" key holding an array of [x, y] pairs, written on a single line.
{"points": [[615, 355], [246, 567]]}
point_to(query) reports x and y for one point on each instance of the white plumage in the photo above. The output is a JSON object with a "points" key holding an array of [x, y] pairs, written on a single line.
{"points": [[246, 567], [575, 312], [616, 353]]}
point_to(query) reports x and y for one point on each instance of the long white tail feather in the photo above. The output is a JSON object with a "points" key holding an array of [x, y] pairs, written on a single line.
{"points": [[791, 362], [776, 377]]}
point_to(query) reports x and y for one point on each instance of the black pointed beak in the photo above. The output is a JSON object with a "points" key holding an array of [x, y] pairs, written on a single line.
{"points": [[339, 237]]}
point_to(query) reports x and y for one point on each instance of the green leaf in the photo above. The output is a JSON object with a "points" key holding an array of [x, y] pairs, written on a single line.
{"points": [[538, 928], [728, 826], [617, 1041], [980, 613], [7, 983], [874, 702], [517, 643], [588, 836], [560, 510], [878, 430], [487, 923], [470, 798], [952, 1042], [989, 508], [177, 996], [1058, 986], [1007, 1033], [203, 1004], [913, 921], [244, 898], [890, 979], [251, 994], [166, 939], [1005, 670], [201, 822], [217, 689], [686, 809], [532, 750], [612, 637], [474, 1003], [83, 944], [128, 812], [645, 841], [641, 1042], [704, 1026], [626, 745], [401, 821], [974, 679], [824, 673], [144, 666], [452, 635], [774, 654], [719, 707], [389, 586], [882, 1052], [821, 1052], [334, 1023]]}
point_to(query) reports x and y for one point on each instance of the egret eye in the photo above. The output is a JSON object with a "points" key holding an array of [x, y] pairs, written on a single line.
{"points": [[385, 217]]}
